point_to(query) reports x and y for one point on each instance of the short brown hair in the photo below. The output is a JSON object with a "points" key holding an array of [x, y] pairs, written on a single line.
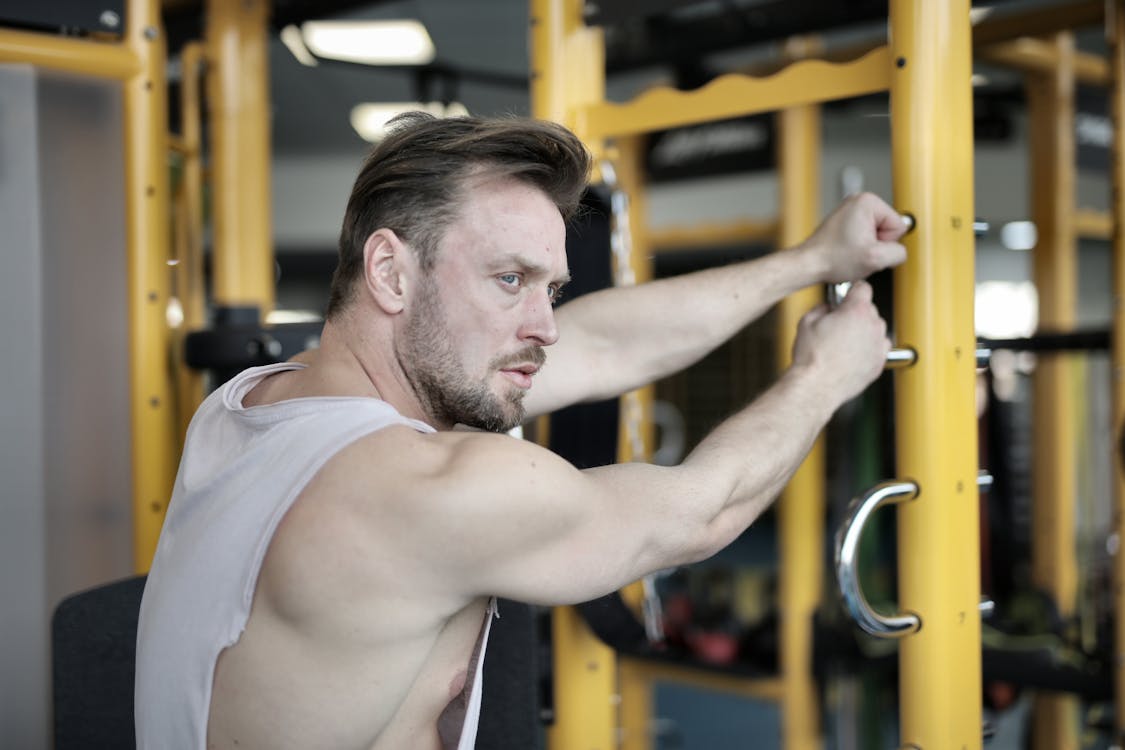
{"points": [[412, 182]]}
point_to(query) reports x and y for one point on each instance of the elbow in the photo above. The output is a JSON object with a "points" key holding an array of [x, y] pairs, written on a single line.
{"points": [[720, 531], [703, 540]]}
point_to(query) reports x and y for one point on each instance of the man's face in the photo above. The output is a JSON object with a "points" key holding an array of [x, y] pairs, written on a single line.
{"points": [[474, 337]]}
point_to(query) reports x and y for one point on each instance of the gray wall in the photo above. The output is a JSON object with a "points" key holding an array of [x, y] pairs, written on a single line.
{"points": [[64, 443]]}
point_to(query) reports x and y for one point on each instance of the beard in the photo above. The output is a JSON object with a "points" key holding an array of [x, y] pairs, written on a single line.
{"points": [[438, 375]]}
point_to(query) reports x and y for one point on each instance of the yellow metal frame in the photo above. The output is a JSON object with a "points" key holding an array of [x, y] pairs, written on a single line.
{"points": [[238, 92], [801, 507], [137, 61], [188, 213], [162, 394], [568, 70], [733, 95], [935, 402], [1055, 273], [713, 234], [928, 76], [1116, 27]]}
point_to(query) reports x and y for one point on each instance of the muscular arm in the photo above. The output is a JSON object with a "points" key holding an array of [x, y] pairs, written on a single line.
{"points": [[478, 514], [617, 339]]}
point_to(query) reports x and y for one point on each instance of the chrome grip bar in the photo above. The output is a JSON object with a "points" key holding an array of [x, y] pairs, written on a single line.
{"points": [[847, 549]]}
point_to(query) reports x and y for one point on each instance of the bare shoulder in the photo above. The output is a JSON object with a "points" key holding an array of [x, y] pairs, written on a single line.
{"points": [[380, 516], [440, 519]]}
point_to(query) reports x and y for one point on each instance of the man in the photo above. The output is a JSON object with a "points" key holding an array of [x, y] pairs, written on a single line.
{"points": [[327, 571]]}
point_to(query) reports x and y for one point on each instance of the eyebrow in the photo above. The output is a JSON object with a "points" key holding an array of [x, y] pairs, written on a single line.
{"points": [[527, 265]]}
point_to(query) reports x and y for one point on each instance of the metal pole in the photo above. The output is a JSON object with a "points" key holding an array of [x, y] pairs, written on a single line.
{"points": [[635, 432], [1116, 24], [1055, 272], [238, 94], [801, 508], [189, 288], [100, 59], [568, 70], [146, 189], [935, 405]]}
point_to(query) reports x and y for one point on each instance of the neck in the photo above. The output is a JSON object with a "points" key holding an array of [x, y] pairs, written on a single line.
{"points": [[359, 360]]}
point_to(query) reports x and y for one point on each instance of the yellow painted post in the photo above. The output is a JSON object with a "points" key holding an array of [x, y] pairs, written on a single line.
{"points": [[801, 508], [938, 533], [189, 287], [568, 71], [567, 65], [635, 427], [238, 95], [152, 391], [1055, 273], [635, 431], [1117, 209]]}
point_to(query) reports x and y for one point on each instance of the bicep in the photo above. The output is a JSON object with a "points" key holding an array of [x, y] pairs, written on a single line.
{"points": [[519, 522]]}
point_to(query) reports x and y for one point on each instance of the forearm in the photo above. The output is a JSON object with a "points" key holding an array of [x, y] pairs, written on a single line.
{"points": [[753, 454], [618, 339]]}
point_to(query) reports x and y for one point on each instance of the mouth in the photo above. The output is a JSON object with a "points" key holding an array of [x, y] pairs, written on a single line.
{"points": [[520, 375]]}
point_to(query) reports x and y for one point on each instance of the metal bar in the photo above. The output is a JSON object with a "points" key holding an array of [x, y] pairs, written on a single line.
{"points": [[189, 270], [146, 189], [1071, 341], [662, 670], [1038, 56], [567, 65], [632, 264], [697, 236], [935, 400], [1051, 19], [585, 685], [635, 685], [238, 96], [81, 56], [568, 69], [733, 95], [1117, 211], [1054, 564], [801, 507], [1090, 224]]}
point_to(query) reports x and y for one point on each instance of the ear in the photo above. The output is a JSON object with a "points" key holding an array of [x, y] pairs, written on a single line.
{"points": [[387, 266]]}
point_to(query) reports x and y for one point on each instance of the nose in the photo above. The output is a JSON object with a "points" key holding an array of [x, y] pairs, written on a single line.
{"points": [[539, 321]]}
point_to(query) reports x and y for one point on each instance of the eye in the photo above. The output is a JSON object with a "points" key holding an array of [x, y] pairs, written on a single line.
{"points": [[554, 293], [509, 279]]}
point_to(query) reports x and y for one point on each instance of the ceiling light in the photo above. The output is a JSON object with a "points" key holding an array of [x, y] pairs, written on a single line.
{"points": [[370, 119], [291, 38], [1006, 309], [370, 42], [1019, 235]]}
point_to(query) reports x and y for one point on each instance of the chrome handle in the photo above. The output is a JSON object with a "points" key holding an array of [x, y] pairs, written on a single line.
{"points": [[847, 548], [901, 358]]}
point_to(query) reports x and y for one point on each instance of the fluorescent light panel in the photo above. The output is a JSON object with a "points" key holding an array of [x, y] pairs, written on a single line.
{"points": [[291, 38], [370, 42], [370, 119]]}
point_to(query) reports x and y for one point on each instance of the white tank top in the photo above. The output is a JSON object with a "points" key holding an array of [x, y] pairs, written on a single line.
{"points": [[241, 470]]}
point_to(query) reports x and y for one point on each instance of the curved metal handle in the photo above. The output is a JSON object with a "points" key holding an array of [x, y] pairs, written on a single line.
{"points": [[847, 547]]}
